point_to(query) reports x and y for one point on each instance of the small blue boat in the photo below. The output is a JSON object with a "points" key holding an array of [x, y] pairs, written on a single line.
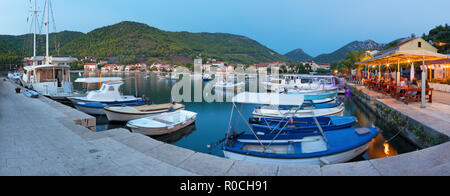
{"points": [[300, 125], [320, 95], [97, 108], [31, 93], [301, 148]]}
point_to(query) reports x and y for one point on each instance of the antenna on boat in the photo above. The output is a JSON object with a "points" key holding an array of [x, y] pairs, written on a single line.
{"points": [[35, 29], [47, 3]]}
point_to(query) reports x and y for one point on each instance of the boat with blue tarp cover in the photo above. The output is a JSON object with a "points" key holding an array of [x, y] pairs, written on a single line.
{"points": [[31, 93], [297, 125]]}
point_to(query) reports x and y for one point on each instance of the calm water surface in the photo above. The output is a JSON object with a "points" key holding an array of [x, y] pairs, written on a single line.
{"points": [[213, 118]]}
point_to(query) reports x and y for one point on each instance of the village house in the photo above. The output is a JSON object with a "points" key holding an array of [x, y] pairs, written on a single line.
{"points": [[263, 67], [118, 68], [90, 67], [107, 68], [315, 66], [155, 66], [129, 68], [141, 66]]}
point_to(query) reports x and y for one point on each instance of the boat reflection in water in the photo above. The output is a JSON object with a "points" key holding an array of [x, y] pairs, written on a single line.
{"points": [[379, 148], [176, 136]]}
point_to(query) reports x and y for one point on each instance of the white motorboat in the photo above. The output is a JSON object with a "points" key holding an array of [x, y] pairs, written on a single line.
{"points": [[207, 77], [125, 114], [163, 123], [109, 94], [300, 83], [326, 109]]}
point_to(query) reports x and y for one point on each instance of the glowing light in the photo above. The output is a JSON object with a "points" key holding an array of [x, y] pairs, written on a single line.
{"points": [[409, 61], [387, 150]]}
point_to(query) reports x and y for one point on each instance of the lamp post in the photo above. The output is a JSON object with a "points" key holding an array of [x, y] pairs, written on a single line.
{"points": [[424, 78]]}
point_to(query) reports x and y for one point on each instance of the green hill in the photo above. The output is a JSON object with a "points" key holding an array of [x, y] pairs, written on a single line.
{"points": [[23, 44], [440, 37], [142, 42]]}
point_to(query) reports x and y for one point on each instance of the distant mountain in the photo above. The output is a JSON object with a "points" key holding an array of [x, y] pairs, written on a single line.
{"points": [[340, 53], [140, 41], [299, 55]]}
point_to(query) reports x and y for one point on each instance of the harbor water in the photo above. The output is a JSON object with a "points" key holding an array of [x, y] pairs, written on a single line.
{"points": [[214, 118]]}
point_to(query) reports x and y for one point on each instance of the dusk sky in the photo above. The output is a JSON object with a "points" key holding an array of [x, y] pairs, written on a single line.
{"points": [[319, 26]]}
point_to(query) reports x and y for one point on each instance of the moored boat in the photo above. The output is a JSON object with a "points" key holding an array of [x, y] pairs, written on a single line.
{"points": [[125, 114], [97, 108], [301, 125], [163, 123], [31, 93], [108, 94], [302, 110], [301, 149]]}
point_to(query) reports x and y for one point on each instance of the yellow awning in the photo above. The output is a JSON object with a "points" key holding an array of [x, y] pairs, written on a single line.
{"points": [[404, 56]]}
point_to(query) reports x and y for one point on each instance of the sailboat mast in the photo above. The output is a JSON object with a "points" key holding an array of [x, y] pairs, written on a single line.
{"points": [[35, 29], [47, 24]]}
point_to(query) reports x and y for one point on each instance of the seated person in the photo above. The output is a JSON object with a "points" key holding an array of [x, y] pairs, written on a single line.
{"points": [[414, 85]]}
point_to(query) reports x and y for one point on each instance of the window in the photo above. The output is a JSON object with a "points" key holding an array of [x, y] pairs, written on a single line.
{"points": [[420, 45], [111, 88]]}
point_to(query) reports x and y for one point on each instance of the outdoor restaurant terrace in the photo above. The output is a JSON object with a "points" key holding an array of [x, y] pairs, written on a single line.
{"points": [[409, 52]]}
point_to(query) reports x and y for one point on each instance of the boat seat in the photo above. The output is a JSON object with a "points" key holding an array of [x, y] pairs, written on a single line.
{"points": [[362, 131], [317, 144]]}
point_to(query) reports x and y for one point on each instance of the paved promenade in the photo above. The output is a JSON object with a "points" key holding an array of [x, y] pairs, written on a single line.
{"points": [[39, 137]]}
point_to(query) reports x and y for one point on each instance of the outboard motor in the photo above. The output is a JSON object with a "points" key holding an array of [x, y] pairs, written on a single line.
{"points": [[253, 120]]}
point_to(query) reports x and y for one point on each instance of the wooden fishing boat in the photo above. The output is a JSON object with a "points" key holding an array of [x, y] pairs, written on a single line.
{"points": [[125, 114], [301, 125], [302, 148], [162, 124]]}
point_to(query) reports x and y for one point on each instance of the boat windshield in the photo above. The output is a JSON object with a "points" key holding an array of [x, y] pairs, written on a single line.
{"points": [[52, 75]]}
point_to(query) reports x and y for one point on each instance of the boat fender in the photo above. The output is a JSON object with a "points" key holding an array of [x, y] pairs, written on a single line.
{"points": [[292, 121], [362, 131], [171, 109]]}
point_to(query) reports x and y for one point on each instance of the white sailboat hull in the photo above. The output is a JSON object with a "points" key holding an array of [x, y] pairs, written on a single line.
{"points": [[271, 113], [326, 160]]}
